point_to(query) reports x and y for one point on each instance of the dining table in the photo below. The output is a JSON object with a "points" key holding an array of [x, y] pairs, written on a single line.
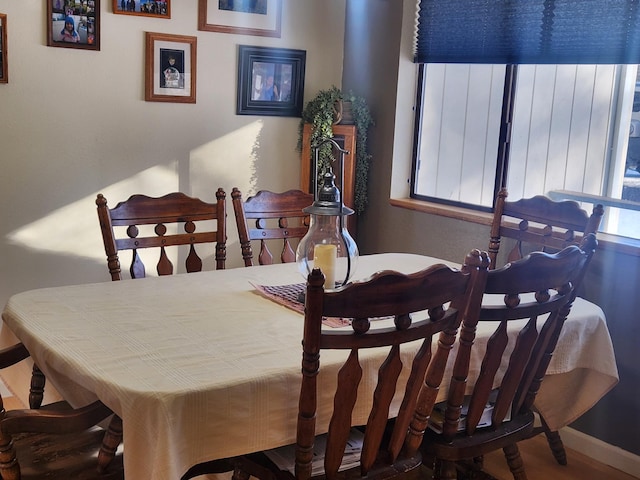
{"points": [[207, 365]]}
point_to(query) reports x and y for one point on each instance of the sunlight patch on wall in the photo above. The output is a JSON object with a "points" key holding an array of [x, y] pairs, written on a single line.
{"points": [[74, 228], [226, 162]]}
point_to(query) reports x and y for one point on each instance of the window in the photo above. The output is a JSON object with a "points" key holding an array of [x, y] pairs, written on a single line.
{"points": [[573, 135]]}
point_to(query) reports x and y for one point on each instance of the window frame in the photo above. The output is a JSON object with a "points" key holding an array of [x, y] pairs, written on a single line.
{"points": [[500, 175], [502, 159]]}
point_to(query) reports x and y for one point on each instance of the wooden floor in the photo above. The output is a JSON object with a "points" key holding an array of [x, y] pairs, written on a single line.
{"points": [[11, 403], [540, 464]]}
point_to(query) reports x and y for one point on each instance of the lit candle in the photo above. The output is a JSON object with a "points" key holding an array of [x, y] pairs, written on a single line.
{"points": [[324, 258]]}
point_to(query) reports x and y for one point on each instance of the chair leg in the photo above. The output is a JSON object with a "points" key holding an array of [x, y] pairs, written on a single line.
{"points": [[239, 474], [555, 443], [514, 461], [110, 442], [9, 466], [36, 391], [471, 468], [445, 470], [435, 468]]}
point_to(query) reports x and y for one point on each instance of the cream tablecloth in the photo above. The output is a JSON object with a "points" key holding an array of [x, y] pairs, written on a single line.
{"points": [[199, 366]]}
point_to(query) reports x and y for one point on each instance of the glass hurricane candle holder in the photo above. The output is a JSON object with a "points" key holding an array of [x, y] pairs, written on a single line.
{"points": [[328, 244]]}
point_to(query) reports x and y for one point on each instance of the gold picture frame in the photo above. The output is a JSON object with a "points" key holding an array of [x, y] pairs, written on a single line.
{"points": [[261, 18], [170, 68]]}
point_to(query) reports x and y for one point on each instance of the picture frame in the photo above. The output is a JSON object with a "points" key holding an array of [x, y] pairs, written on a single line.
{"points": [[83, 32], [144, 8], [170, 68], [242, 17], [4, 67], [270, 81]]}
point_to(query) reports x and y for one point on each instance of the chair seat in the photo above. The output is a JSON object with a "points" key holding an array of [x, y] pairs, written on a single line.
{"points": [[64, 457], [261, 465], [380, 471], [55, 442], [483, 441]]}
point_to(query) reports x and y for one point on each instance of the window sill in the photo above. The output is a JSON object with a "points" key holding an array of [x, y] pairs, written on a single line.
{"points": [[459, 213], [606, 241]]}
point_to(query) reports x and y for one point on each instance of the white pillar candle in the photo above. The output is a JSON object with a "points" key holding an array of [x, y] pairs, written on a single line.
{"points": [[324, 258]]}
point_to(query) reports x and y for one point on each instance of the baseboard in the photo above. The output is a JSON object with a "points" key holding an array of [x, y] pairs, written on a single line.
{"points": [[600, 451]]}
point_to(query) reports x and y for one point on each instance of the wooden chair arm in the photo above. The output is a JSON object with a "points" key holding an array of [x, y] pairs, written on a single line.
{"points": [[12, 355], [57, 418]]}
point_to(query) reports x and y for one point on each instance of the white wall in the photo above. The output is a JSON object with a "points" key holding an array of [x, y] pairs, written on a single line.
{"points": [[74, 123]]}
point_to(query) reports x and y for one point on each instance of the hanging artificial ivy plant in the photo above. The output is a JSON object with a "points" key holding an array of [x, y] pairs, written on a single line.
{"points": [[324, 111]]}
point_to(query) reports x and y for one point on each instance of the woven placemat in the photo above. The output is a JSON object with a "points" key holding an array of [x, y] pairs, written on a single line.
{"points": [[291, 297]]}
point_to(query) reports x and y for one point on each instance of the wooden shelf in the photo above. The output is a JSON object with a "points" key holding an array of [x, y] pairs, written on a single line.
{"points": [[345, 136]]}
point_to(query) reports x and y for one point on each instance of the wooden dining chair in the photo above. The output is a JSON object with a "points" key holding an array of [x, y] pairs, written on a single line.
{"points": [[54, 442], [196, 222], [200, 222], [539, 223], [493, 409], [270, 216], [390, 310]]}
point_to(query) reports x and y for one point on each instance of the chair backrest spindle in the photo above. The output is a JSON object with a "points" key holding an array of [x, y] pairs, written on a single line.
{"points": [[269, 216], [539, 223], [183, 213], [415, 307], [525, 304]]}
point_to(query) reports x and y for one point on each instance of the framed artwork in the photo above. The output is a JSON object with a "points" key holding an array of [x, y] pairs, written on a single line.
{"points": [[270, 81], [244, 17], [145, 8], [4, 71], [170, 70], [73, 24]]}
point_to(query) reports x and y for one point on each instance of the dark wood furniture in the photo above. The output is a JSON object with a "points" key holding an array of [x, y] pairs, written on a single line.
{"points": [[166, 371], [389, 449], [183, 213], [539, 223], [345, 135], [270, 216], [54, 442], [140, 211], [550, 280]]}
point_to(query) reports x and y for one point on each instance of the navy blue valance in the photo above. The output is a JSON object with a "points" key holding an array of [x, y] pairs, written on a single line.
{"points": [[528, 31]]}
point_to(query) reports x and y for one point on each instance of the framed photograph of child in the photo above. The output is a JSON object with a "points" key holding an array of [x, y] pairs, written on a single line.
{"points": [[170, 68], [4, 70], [73, 24], [145, 8]]}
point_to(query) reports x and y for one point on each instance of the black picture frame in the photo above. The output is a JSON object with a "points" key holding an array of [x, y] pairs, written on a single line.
{"points": [[270, 81], [84, 27]]}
